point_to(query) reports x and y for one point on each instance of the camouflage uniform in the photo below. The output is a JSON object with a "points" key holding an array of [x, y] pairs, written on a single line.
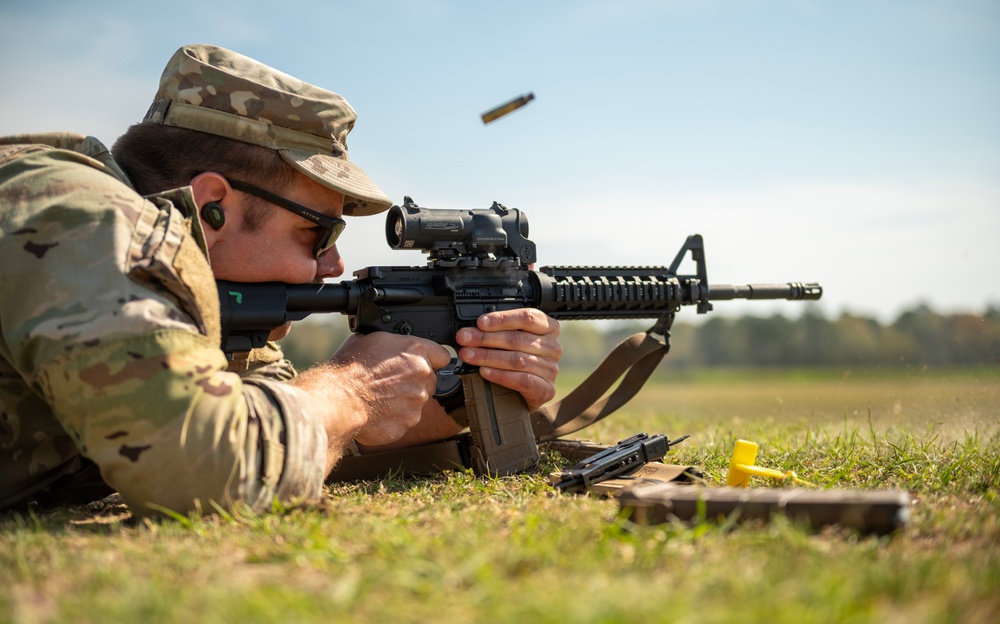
{"points": [[109, 352]]}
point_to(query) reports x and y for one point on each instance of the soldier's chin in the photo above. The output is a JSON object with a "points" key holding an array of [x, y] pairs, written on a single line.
{"points": [[281, 332]]}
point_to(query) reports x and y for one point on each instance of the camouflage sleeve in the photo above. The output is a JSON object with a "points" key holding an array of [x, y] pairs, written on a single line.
{"points": [[268, 361], [108, 313]]}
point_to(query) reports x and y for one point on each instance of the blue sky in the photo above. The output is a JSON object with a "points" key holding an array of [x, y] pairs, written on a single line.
{"points": [[852, 143]]}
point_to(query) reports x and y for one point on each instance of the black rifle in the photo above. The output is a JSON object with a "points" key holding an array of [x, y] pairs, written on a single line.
{"points": [[479, 263], [620, 460]]}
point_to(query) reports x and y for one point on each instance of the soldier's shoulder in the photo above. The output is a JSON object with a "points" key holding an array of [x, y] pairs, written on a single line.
{"points": [[61, 147]]}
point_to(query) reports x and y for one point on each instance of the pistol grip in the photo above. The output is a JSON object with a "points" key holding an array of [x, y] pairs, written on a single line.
{"points": [[503, 442]]}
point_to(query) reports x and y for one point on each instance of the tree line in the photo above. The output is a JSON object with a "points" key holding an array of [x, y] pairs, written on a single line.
{"points": [[919, 336]]}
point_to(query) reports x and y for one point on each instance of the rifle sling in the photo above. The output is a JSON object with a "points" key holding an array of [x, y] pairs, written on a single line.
{"points": [[636, 358], [450, 454]]}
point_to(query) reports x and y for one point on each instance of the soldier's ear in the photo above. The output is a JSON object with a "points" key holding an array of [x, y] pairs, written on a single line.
{"points": [[212, 192]]}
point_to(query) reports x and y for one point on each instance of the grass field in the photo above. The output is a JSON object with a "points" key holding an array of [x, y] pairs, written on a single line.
{"points": [[454, 548]]}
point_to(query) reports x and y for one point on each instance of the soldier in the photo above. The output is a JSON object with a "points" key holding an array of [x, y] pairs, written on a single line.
{"points": [[111, 375]]}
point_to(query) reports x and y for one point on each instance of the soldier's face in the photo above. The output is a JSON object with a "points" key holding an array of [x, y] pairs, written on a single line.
{"points": [[282, 248]]}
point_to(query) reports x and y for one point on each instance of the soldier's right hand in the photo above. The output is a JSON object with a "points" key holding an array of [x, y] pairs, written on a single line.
{"points": [[395, 376]]}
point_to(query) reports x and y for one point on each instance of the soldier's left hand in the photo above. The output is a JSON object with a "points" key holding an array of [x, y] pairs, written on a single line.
{"points": [[518, 349]]}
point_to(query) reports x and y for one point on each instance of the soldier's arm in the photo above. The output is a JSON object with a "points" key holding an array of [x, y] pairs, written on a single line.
{"points": [[107, 316]]}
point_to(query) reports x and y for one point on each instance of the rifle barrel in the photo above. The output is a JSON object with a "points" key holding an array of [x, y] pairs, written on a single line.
{"points": [[793, 291]]}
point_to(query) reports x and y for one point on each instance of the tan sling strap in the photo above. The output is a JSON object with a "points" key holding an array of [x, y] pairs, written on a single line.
{"points": [[450, 454], [632, 361], [636, 358]]}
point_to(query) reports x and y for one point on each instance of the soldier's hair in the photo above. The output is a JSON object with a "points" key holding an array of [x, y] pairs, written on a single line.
{"points": [[160, 158]]}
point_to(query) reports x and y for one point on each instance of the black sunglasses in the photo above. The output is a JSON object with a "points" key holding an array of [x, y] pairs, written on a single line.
{"points": [[332, 226]]}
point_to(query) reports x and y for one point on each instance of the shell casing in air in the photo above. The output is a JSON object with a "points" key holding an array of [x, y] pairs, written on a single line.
{"points": [[496, 113]]}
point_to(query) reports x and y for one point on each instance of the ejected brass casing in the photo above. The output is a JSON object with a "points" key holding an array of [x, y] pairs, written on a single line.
{"points": [[507, 107]]}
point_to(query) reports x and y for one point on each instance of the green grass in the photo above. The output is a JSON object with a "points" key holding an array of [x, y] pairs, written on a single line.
{"points": [[457, 548]]}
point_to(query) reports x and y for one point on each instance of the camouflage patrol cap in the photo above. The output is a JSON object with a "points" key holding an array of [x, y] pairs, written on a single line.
{"points": [[214, 90]]}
